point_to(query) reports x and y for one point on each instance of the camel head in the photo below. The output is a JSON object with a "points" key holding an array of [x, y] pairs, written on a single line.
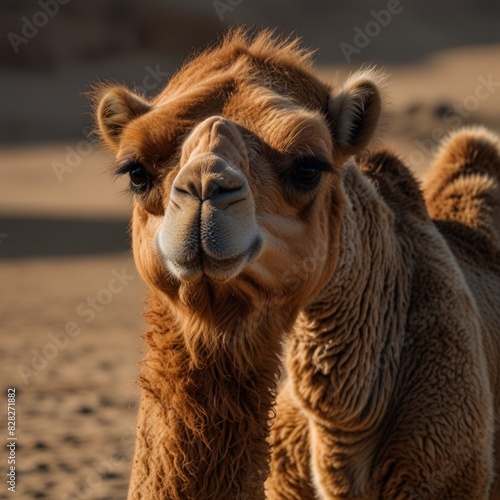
{"points": [[235, 169]]}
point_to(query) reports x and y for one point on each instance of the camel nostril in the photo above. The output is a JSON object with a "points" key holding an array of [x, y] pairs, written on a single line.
{"points": [[216, 188], [188, 188]]}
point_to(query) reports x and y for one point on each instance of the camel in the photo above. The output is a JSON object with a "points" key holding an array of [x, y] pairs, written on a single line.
{"points": [[263, 223]]}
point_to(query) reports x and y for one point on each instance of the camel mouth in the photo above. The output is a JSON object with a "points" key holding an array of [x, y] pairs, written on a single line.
{"points": [[216, 269], [222, 270]]}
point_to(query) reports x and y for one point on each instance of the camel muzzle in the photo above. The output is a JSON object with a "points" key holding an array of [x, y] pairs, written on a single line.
{"points": [[210, 229]]}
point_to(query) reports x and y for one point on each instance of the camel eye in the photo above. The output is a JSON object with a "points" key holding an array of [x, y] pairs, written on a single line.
{"points": [[307, 172], [140, 180]]}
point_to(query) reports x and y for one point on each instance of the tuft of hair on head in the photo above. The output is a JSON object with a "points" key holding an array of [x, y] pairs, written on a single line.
{"points": [[282, 48]]}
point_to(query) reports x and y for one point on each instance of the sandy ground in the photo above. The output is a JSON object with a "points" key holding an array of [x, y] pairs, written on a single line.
{"points": [[64, 247]]}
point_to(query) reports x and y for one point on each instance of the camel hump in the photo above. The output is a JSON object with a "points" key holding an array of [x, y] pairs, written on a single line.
{"points": [[463, 184], [393, 180]]}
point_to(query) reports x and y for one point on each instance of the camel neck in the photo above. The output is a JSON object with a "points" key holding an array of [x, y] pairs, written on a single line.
{"points": [[357, 322], [203, 425]]}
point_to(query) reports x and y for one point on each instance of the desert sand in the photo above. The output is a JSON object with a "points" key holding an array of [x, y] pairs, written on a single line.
{"points": [[67, 274]]}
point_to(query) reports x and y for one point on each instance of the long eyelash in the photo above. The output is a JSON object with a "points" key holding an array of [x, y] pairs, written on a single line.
{"points": [[126, 167], [314, 163]]}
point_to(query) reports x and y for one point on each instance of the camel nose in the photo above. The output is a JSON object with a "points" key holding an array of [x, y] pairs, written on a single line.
{"points": [[209, 177]]}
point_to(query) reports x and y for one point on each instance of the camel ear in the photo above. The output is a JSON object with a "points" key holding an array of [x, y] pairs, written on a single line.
{"points": [[117, 107], [355, 111]]}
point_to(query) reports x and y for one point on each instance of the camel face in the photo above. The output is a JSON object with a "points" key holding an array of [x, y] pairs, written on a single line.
{"points": [[235, 168], [217, 227], [239, 204]]}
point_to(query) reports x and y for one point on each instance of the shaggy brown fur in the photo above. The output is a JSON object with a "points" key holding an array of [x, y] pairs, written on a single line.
{"points": [[392, 365], [245, 216]]}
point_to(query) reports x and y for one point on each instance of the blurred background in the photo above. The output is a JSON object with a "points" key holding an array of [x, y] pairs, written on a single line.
{"points": [[70, 299]]}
